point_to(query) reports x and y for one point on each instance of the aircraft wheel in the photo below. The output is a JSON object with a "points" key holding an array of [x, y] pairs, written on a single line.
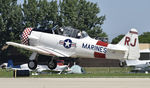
{"points": [[32, 64], [52, 64], [122, 64]]}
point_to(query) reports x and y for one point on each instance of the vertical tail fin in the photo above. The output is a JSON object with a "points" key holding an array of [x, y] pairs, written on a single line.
{"points": [[131, 42]]}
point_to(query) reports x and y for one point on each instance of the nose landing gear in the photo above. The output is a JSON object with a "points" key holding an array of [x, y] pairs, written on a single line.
{"points": [[122, 64]]}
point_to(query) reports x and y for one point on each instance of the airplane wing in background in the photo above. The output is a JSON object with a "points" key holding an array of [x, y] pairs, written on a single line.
{"points": [[137, 62], [39, 49]]}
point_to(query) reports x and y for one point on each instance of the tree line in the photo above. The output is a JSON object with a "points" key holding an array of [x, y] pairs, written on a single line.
{"points": [[143, 38]]}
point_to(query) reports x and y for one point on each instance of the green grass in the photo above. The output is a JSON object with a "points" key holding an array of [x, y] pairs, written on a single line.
{"points": [[95, 70], [91, 72], [6, 73]]}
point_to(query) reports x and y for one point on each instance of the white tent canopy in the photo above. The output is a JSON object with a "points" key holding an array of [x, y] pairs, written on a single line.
{"points": [[77, 69]]}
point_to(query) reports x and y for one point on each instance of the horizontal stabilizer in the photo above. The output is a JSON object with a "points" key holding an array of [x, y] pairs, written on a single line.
{"points": [[117, 48]]}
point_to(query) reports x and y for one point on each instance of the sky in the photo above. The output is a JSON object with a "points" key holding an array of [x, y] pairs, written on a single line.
{"points": [[122, 15]]}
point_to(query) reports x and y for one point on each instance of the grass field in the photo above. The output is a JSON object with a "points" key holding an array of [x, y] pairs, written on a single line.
{"points": [[91, 72], [6, 73]]}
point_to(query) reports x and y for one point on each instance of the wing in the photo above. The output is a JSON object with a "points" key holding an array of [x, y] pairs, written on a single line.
{"points": [[39, 49]]}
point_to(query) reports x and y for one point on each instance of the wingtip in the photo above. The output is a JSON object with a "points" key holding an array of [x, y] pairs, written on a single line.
{"points": [[133, 31], [8, 43]]}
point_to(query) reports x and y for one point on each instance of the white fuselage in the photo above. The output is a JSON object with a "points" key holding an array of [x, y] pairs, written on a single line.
{"points": [[74, 47]]}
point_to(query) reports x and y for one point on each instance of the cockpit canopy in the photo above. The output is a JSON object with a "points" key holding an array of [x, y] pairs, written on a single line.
{"points": [[65, 31], [75, 33]]}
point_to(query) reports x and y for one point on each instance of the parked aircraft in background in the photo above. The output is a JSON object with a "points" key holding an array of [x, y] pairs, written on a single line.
{"points": [[67, 42], [138, 63], [140, 66], [10, 65], [40, 68], [3, 65]]}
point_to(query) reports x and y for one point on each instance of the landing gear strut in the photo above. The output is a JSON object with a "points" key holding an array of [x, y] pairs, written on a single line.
{"points": [[32, 64]]}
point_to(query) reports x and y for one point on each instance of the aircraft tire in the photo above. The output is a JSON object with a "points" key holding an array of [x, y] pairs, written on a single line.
{"points": [[52, 64], [32, 64], [122, 64]]}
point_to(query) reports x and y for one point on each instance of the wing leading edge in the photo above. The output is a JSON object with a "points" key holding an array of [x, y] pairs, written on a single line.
{"points": [[39, 49]]}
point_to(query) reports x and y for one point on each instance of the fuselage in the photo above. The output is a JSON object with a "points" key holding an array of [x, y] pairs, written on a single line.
{"points": [[74, 47]]}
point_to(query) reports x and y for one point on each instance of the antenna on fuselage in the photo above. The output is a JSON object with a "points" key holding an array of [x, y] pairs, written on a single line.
{"points": [[54, 28]]}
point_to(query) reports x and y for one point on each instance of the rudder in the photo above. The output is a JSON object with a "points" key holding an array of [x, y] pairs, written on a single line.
{"points": [[131, 42]]}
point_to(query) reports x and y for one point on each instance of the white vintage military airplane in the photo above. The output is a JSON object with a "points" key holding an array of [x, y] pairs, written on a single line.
{"points": [[72, 43]]}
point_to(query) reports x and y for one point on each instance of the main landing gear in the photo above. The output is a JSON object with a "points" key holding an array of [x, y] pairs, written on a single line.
{"points": [[52, 63], [32, 64]]}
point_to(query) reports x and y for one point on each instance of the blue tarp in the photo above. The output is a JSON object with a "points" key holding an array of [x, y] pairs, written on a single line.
{"points": [[10, 64]]}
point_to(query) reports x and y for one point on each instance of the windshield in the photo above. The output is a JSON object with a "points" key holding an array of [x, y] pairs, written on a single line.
{"points": [[84, 34], [72, 32]]}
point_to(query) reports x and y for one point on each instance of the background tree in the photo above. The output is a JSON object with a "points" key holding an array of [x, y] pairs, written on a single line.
{"points": [[40, 13], [10, 20], [48, 13], [30, 10], [145, 37], [82, 15], [11, 23], [117, 39], [79, 14]]}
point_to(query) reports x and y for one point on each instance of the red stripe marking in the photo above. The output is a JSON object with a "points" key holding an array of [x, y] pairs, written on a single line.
{"points": [[61, 42], [73, 45], [99, 55], [133, 32], [102, 43]]}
